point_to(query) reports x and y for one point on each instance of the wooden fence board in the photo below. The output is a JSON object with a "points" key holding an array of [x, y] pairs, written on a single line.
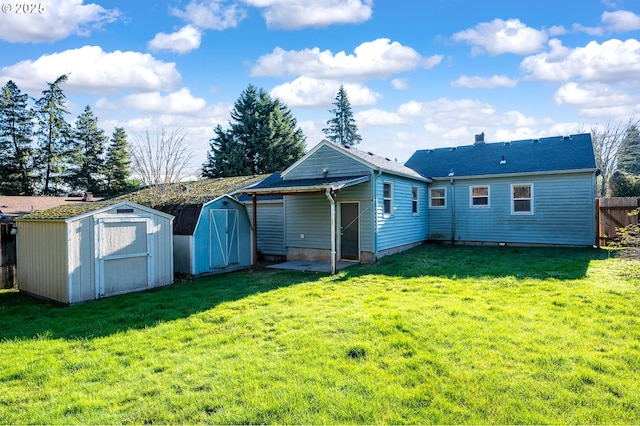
{"points": [[613, 213], [7, 257]]}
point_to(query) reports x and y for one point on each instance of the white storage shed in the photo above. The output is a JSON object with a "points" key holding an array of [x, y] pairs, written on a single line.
{"points": [[75, 253]]}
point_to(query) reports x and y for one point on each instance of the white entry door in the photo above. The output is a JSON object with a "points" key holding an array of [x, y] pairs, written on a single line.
{"points": [[124, 252]]}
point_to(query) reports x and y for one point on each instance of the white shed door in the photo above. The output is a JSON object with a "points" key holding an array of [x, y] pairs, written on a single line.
{"points": [[124, 256], [224, 238]]}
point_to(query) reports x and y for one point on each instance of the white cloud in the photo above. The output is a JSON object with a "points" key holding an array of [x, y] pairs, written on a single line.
{"points": [[613, 60], [621, 21], [212, 14], [400, 83], [92, 70], [377, 117], [297, 14], [379, 58], [58, 20], [499, 36], [476, 82], [183, 41], [177, 102], [311, 92], [597, 99]]}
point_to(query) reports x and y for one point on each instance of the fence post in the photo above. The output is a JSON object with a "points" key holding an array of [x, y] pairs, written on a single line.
{"points": [[598, 230]]}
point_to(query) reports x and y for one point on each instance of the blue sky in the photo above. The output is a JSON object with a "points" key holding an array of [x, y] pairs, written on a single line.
{"points": [[419, 73]]}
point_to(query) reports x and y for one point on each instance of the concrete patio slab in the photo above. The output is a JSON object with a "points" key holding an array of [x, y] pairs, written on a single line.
{"points": [[305, 265]]}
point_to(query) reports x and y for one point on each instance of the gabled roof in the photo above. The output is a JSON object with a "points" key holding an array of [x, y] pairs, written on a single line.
{"points": [[544, 155], [69, 212], [369, 159]]}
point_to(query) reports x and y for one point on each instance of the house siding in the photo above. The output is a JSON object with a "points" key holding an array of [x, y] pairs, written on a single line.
{"points": [[336, 163], [563, 211], [403, 227], [270, 227], [182, 254]]}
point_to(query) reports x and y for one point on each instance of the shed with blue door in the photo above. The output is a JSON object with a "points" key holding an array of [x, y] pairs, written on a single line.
{"points": [[534, 191], [212, 232], [212, 237]]}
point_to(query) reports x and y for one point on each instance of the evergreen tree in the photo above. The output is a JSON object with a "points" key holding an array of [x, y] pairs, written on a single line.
{"points": [[53, 135], [342, 127], [117, 163], [86, 171], [629, 153], [262, 138], [16, 131]]}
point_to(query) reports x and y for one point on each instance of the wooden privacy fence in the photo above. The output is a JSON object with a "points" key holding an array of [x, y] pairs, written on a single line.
{"points": [[7, 256], [613, 213]]}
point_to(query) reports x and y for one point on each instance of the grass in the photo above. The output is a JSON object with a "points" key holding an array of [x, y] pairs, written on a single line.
{"points": [[438, 335]]}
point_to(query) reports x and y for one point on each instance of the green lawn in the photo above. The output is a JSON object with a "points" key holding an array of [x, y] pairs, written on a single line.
{"points": [[437, 334]]}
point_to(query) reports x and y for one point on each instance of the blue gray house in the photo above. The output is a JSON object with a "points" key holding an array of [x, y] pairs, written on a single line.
{"points": [[345, 204], [536, 191]]}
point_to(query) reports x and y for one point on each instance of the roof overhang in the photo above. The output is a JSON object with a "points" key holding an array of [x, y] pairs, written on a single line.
{"points": [[307, 186]]}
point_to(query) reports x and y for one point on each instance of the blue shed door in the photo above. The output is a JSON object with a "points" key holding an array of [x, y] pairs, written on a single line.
{"points": [[224, 247]]}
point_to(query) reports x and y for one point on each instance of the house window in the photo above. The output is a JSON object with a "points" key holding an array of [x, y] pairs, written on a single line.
{"points": [[479, 196], [387, 197], [415, 200], [522, 199], [438, 198]]}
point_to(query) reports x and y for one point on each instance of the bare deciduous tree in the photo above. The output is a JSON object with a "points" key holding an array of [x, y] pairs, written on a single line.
{"points": [[607, 141], [160, 161]]}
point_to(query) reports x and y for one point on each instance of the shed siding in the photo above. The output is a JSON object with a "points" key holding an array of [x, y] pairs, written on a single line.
{"points": [[563, 212], [270, 228], [402, 227], [337, 163], [42, 259], [182, 254], [82, 260], [163, 251]]}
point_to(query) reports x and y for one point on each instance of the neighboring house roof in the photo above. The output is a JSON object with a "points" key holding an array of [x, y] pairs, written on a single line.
{"points": [[369, 159], [275, 177], [65, 212], [297, 186], [544, 155], [15, 206]]}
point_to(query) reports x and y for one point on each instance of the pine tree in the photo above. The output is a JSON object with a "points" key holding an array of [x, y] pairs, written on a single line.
{"points": [[629, 153], [117, 163], [16, 131], [262, 138], [86, 168], [53, 136], [342, 127]]}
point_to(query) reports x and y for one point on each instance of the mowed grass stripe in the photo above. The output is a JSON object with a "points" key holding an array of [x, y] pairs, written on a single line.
{"points": [[438, 334]]}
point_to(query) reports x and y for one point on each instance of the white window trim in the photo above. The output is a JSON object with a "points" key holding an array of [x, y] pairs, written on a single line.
{"points": [[431, 206], [391, 203], [416, 200], [480, 206], [531, 210]]}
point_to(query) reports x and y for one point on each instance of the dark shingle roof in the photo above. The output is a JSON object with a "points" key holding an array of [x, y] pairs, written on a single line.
{"points": [[560, 153]]}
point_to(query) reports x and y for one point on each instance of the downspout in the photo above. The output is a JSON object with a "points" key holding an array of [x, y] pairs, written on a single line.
{"points": [[453, 212], [334, 250]]}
